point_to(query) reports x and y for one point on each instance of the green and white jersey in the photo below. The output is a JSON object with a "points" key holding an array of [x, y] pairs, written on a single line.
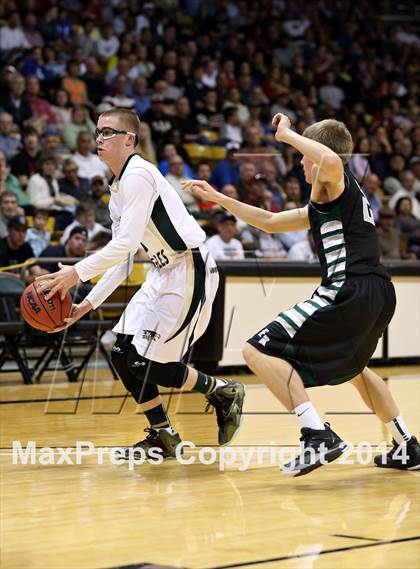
{"points": [[145, 211], [345, 235]]}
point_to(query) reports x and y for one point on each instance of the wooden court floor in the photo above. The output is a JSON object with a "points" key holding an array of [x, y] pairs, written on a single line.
{"points": [[199, 516]]}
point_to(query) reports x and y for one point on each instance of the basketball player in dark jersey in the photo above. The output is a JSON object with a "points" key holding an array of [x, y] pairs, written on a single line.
{"points": [[329, 338]]}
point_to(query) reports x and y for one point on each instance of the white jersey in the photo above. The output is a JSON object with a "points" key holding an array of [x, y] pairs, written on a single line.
{"points": [[145, 211]]}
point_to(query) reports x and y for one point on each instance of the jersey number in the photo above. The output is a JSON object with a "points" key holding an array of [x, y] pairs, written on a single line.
{"points": [[367, 211]]}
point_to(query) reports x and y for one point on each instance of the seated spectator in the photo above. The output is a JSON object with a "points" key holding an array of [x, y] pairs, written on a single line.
{"points": [[80, 122], [388, 235], [373, 192], [62, 108], [108, 44], [392, 182], [211, 227], [44, 191], [247, 173], [71, 183], [254, 144], [31, 32], [95, 82], [145, 145], [119, 97], [168, 151], [9, 183], [304, 250], [88, 163], [224, 246], [14, 250], [293, 192], [11, 34], [185, 121], [74, 84], [209, 115], [290, 238], [160, 123], [233, 99], [359, 162], [330, 93], [75, 247], [85, 216], [175, 176], [227, 170], [408, 225], [141, 96], [13, 101], [408, 187], [99, 195], [40, 108], [9, 144], [231, 130], [37, 236], [271, 179], [9, 208], [28, 161]]}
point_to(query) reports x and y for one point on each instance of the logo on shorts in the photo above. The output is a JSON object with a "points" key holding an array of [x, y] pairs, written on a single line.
{"points": [[116, 349], [214, 270], [263, 337], [150, 335], [139, 364]]}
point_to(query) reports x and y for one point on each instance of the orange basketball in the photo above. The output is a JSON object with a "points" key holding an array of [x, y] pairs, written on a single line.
{"points": [[44, 315]]}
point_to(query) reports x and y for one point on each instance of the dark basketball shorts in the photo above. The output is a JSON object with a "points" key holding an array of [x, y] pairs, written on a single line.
{"points": [[330, 338]]}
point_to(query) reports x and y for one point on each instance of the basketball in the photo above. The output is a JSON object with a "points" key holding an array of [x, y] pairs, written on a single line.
{"points": [[42, 314]]}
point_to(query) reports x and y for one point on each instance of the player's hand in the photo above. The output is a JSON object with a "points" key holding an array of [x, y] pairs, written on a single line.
{"points": [[77, 311], [61, 281], [281, 123], [201, 189]]}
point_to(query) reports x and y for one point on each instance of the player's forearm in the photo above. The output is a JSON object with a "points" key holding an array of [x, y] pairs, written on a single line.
{"points": [[109, 282], [115, 252], [315, 151], [254, 216]]}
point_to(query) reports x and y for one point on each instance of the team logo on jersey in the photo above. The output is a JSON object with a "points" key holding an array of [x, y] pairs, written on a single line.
{"points": [[150, 335]]}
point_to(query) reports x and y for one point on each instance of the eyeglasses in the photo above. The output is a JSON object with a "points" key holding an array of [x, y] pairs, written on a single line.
{"points": [[109, 132]]}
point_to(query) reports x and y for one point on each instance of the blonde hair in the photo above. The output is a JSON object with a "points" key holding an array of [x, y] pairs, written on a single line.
{"points": [[333, 134], [127, 119], [145, 145]]}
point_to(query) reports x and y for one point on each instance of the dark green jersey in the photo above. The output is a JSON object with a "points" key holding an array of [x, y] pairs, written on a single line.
{"points": [[345, 235]]}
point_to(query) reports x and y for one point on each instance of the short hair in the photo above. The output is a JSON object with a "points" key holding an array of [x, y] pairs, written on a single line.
{"points": [[333, 134], [8, 194], [128, 119], [85, 207]]}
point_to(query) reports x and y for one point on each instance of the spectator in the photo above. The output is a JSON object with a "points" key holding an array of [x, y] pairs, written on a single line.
{"points": [[392, 182], [388, 235], [61, 109], [88, 163], [160, 123], [175, 176], [74, 84], [43, 188], [119, 98], [40, 107], [31, 32], [408, 225], [233, 99], [409, 187], [231, 130], [14, 102], [359, 162], [99, 195], [9, 183], [9, 208], [85, 216], [330, 93], [11, 34], [373, 193], [224, 246], [38, 236], [80, 122], [71, 183], [108, 44], [9, 144], [227, 170], [303, 250], [168, 151], [14, 250], [145, 145], [141, 95], [185, 121], [264, 155], [28, 161], [95, 82]]}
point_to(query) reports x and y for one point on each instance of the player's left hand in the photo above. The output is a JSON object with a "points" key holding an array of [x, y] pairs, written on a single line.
{"points": [[61, 281], [77, 311], [201, 189]]}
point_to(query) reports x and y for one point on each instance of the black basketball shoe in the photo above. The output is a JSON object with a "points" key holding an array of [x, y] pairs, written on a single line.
{"points": [[318, 448], [404, 456], [157, 439], [227, 400]]}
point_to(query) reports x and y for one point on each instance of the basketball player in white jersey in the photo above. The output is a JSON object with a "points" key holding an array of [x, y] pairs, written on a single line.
{"points": [[172, 308]]}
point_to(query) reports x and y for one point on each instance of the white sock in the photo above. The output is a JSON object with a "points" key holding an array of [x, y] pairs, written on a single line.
{"points": [[308, 417], [399, 430]]}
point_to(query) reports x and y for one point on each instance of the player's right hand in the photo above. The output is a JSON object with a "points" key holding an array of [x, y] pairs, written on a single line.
{"points": [[281, 123], [201, 189]]}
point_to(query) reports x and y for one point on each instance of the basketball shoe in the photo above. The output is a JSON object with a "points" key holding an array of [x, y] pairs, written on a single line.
{"points": [[161, 439], [404, 456], [227, 400], [318, 448]]}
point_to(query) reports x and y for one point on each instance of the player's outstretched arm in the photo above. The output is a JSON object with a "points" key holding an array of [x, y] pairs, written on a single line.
{"points": [[293, 220]]}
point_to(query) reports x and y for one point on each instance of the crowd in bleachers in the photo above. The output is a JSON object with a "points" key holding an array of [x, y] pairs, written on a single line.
{"points": [[205, 78]]}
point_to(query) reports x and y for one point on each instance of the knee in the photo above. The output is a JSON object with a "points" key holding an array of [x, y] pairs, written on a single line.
{"points": [[250, 355]]}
